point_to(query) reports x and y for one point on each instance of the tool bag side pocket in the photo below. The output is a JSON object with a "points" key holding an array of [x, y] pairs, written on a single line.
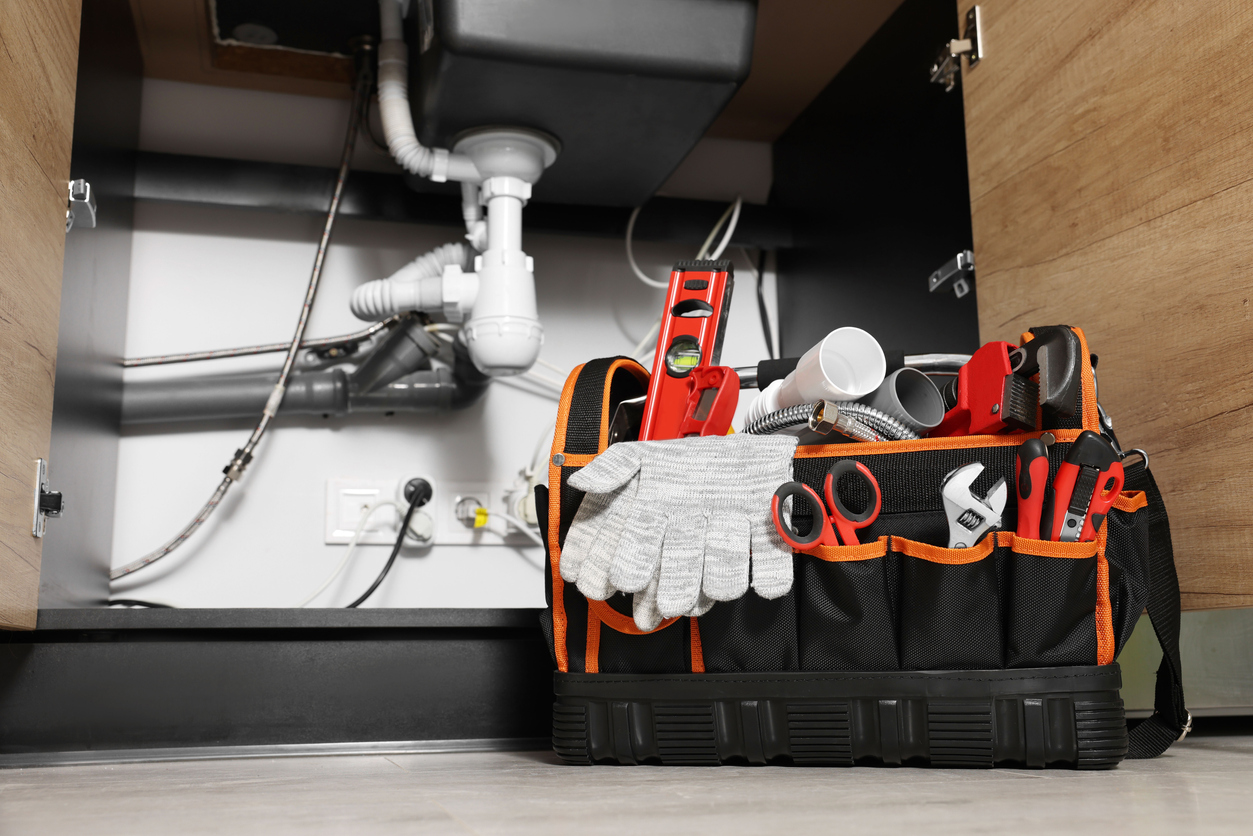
{"points": [[1053, 615], [950, 605], [1127, 555], [847, 608], [750, 634]]}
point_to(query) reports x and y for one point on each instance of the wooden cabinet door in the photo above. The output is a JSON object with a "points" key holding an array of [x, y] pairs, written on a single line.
{"points": [[1110, 150], [38, 69]]}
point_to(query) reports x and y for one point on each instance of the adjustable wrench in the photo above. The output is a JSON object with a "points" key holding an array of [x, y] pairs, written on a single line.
{"points": [[969, 516]]}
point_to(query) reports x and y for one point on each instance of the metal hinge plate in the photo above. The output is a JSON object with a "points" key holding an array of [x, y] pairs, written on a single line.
{"points": [[48, 503], [81, 210], [948, 62], [956, 274]]}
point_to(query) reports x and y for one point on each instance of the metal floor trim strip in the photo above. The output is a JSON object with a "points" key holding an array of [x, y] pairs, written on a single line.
{"points": [[286, 750]]}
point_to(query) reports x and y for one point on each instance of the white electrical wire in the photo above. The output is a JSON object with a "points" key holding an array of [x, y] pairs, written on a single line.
{"points": [[539, 449], [648, 339], [521, 526], [752, 268], [352, 546], [732, 212], [547, 381], [630, 254], [539, 389], [552, 367]]}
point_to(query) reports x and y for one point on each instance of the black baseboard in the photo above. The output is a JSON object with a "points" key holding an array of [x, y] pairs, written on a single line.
{"points": [[95, 680]]}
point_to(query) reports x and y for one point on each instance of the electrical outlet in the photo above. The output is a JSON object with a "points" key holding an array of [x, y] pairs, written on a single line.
{"points": [[348, 499], [450, 530]]}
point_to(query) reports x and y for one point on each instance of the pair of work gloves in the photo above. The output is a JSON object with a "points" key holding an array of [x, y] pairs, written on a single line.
{"points": [[680, 524]]}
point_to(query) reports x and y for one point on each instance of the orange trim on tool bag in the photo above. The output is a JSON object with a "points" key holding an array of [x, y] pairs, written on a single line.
{"points": [[554, 522], [1104, 610], [615, 620], [936, 554], [577, 459], [591, 654], [1131, 501], [1050, 548], [598, 612], [641, 374], [698, 654], [840, 554], [922, 445]]}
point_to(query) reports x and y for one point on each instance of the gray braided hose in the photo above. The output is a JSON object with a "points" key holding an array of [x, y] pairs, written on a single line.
{"points": [[879, 420], [795, 416], [773, 422]]}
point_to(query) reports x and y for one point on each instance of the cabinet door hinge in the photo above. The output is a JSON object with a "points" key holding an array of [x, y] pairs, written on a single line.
{"points": [[948, 62], [48, 503], [81, 209], [956, 275]]}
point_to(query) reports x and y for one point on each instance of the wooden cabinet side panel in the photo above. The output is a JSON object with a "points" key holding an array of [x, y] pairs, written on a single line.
{"points": [[1112, 188], [38, 68]]}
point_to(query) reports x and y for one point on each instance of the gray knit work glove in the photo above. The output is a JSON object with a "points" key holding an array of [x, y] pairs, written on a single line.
{"points": [[692, 514]]}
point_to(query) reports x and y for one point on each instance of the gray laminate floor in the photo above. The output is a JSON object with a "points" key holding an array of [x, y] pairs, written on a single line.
{"points": [[1204, 785]]}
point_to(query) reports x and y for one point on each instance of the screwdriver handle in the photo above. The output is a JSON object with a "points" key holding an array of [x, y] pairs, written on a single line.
{"points": [[1031, 475]]}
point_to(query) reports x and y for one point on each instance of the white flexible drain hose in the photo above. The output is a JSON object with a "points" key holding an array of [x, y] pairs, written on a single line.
{"points": [[415, 287], [393, 84]]}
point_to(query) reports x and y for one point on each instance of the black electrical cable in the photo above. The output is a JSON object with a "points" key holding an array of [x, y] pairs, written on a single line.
{"points": [[419, 499], [132, 602], [761, 306]]}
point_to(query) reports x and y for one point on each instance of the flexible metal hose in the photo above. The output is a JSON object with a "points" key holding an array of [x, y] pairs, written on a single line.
{"points": [[235, 469], [795, 416], [773, 422], [881, 421], [267, 348]]}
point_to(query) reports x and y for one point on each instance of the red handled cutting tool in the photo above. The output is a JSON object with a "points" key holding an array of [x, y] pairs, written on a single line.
{"points": [[1031, 475], [839, 528], [1086, 485]]}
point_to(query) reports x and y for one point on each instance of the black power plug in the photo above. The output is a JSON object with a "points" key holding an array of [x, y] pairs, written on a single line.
{"points": [[418, 492]]}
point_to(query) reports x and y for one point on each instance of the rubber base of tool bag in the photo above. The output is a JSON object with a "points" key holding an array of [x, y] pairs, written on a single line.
{"points": [[1067, 717]]}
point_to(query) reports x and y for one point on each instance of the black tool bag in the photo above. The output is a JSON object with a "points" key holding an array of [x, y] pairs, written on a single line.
{"points": [[895, 651]]}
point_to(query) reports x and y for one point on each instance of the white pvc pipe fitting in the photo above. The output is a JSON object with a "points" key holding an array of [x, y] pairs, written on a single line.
{"points": [[846, 366]]}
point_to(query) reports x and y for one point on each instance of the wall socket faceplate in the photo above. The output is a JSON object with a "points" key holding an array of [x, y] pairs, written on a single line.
{"points": [[451, 531], [347, 499]]}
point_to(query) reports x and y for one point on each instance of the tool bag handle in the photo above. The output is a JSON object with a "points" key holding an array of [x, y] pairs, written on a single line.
{"points": [[1170, 720]]}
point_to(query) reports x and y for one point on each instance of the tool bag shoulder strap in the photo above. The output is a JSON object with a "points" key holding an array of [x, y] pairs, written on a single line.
{"points": [[591, 394], [1170, 720]]}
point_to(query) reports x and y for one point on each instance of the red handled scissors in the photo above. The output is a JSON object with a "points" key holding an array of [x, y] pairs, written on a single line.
{"points": [[834, 529]]}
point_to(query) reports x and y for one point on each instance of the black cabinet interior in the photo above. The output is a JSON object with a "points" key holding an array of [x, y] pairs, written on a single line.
{"points": [[872, 180]]}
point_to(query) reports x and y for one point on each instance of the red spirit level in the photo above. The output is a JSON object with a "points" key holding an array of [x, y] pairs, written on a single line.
{"points": [[692, 328]]}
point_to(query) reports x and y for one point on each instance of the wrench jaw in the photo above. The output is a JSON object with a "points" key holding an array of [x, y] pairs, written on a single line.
{"points": [[970, 516]]}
